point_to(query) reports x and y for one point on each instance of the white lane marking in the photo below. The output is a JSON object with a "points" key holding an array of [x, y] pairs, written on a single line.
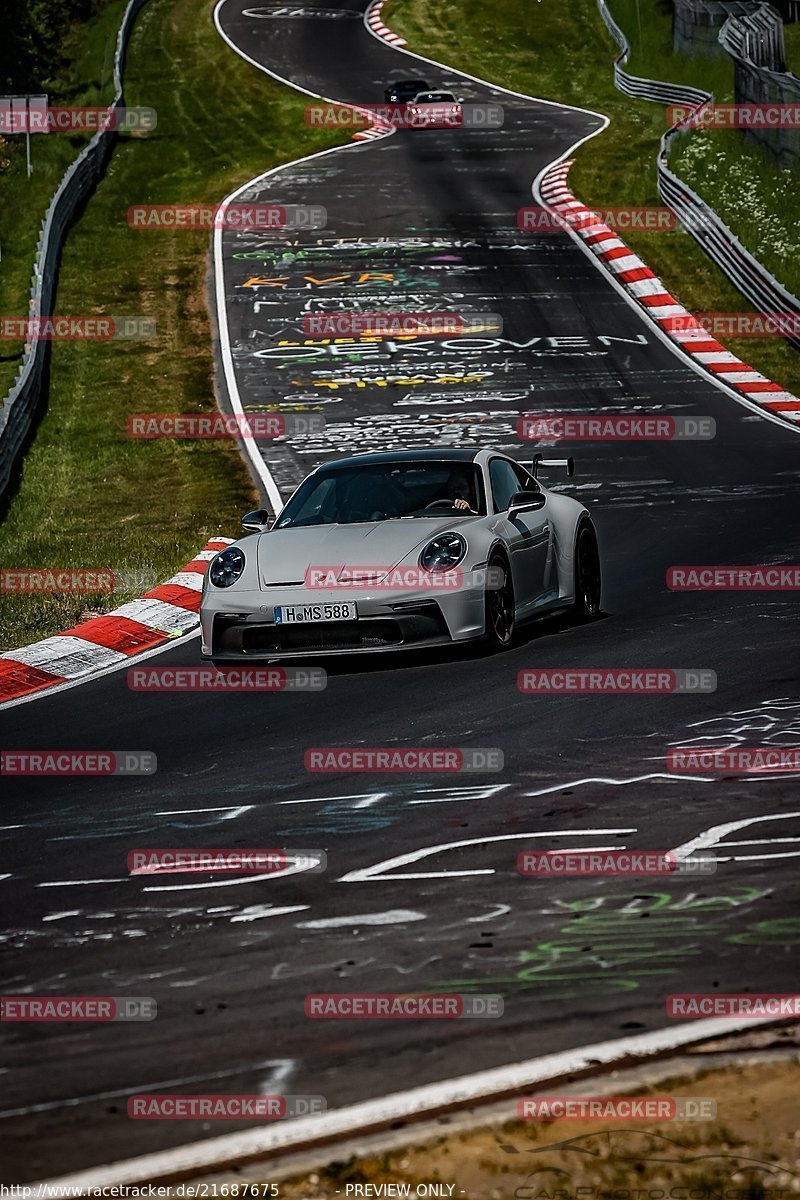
{"points": [[341, 1123], [232, 811], [59, 916], [78, 882], [573, 783], [257, 912], [361, 874], [281, 1068], [297, 867], [394, 916], [499, 911], [6, 876], [712, 837]]}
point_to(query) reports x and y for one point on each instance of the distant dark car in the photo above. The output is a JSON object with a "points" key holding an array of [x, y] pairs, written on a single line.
{"points": [[403, 90]]}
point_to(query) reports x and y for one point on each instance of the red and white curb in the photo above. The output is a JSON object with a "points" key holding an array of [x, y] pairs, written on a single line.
{"points": [[647, 289], [169, 611], [373, 19], [379, 128]]}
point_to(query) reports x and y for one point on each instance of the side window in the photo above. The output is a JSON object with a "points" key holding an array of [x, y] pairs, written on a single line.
{"points": [[504, 482], [526, 481]]}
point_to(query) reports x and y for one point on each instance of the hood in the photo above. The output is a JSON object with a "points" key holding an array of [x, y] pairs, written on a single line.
{"points": [[285, 555]]}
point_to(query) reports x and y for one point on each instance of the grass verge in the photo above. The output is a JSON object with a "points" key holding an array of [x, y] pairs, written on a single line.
{"points": [[563, 52], [89, 496], [87, 80]]}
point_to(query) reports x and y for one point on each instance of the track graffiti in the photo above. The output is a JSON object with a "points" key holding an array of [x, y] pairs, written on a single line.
{"points": [[614, 942]]}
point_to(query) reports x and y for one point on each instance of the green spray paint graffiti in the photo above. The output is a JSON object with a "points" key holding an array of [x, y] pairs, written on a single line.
{"points": [[613, 942]]}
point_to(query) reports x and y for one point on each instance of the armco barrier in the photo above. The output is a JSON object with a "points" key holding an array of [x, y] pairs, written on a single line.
{"points": [[696, 25], [755, 43], [79, 180], [752, 279]]}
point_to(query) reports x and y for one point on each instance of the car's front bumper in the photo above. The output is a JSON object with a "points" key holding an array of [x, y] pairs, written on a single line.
{"points": [[241, 624]]}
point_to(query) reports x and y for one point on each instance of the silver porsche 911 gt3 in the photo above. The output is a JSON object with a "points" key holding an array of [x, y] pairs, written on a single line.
{"points": [[400, 550]]}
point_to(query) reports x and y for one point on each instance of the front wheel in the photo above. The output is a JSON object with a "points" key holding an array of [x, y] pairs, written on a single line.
{"points": [[588, 575], [500, 606]]}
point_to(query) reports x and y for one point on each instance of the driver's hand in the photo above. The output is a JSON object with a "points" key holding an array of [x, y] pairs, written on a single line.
{"points": [[462, 504]]}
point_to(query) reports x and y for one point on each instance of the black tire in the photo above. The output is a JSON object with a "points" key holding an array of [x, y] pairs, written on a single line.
{"points": [[588, 574], [499, 606]]}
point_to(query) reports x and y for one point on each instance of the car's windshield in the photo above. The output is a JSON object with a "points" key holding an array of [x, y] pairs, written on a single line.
{"points": [[386, 492], [434, 97], [410, 88]]}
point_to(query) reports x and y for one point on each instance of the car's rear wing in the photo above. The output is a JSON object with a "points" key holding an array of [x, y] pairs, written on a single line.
{"points": [[539, 460]]}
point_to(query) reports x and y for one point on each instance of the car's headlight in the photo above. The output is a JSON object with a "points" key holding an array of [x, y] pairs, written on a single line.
{"points": [[226, 568], [444, 552]]}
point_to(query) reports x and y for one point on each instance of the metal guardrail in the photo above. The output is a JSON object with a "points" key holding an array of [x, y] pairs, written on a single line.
{"points": [[79, 180], [696, 25], [751, 277], [755, 43]]}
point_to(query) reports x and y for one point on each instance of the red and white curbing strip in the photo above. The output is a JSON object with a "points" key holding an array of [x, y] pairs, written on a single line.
{"points": [[168, 611], [378, 127], [646, 288], [373, 18]]}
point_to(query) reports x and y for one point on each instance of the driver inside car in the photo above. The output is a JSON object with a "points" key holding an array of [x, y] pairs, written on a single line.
{"points": [[460, 493]]}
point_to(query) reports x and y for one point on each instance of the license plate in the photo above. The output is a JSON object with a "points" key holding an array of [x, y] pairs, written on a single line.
{"points": [[308, 614]]}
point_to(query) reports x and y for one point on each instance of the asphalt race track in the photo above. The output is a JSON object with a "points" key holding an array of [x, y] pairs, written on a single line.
{"points": [[417, 219]]}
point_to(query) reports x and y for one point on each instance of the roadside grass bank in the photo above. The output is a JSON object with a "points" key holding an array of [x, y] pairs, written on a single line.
{"points": [[89, 496], [85, 79], [791, 35], [748, 1153], [564, 53]]}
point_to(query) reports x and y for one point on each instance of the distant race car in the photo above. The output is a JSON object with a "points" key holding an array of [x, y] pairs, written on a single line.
{"points": [[397, 550], [403, 90], [434, 110]]}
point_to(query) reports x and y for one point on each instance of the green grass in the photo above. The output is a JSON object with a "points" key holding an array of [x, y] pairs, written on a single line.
{"points": [[87, 80], [759, 203], [563, 52], [792, 38], [89, 496]]}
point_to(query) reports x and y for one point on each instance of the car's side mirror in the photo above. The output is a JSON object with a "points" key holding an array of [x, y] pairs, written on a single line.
{"points": [[522, 502], [257, 521]]}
